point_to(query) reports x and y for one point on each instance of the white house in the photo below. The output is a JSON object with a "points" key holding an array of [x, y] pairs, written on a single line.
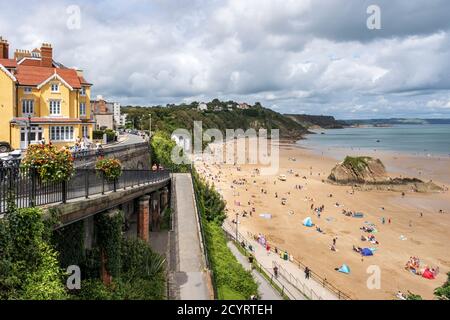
{"points": [[116, 111], [182, 140], [202, 107]]}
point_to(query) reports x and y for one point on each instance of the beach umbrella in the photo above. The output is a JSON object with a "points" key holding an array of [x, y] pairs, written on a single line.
{"points": [[344, 269], [307, 222]]}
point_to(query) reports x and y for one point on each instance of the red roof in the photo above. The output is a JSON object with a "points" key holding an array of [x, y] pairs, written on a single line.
{"points": [[33, 75], [8, 63]]}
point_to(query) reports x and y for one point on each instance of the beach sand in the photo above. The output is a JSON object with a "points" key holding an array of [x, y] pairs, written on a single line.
{"points": [[427, 237]]}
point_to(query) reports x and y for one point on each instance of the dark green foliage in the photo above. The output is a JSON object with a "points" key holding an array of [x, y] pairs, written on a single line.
{"points": [[69, 242], [356, 163], [162, 146], [29, 266], [210, 202], [172, 117], [443, 292], [109, 235], [142, 276], [231, 279], [412, 296]]}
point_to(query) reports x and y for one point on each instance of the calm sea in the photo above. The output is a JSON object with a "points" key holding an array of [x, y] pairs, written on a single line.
{"points": [[413, 139]]}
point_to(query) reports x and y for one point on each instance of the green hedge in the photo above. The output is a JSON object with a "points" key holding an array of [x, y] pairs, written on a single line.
{"points": [[232, 281]]}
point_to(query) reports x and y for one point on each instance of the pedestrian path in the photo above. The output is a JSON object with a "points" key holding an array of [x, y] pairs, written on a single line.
{"points": [[190, 276], [289, 272], [265, 290]]}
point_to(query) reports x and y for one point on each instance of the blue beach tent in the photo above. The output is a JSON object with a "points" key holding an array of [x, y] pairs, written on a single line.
{"points": [[366, 252], [307, 222], [344, 269]]}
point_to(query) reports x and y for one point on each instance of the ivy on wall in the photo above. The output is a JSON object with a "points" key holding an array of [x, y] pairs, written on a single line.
{"points": [[29, 267], [108, 228], [69, 242]]}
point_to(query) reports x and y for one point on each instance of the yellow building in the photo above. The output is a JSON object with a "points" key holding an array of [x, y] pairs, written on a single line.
{"points": [[41, 99]]}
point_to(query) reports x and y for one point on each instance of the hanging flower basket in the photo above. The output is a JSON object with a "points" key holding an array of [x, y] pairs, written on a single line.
{"points": [[51, 164], [111, 169]]}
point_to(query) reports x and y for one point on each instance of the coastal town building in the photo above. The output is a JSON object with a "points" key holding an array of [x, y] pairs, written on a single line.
{"points": [[243, 106], [104, 113], [41, 99], [202, 107]]}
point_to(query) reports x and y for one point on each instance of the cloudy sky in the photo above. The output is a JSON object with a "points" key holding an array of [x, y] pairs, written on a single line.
{"points": [[295, 56]]}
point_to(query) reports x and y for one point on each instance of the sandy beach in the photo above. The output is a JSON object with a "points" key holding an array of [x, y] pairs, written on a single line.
{"points": [[413, 224]]}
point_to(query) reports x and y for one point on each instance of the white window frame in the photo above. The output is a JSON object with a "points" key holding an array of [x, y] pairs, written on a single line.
{"points": [[53, 86], [27, 107], [54, 105], [85, 131], [82, 109], [83, 91], [62, 133]]}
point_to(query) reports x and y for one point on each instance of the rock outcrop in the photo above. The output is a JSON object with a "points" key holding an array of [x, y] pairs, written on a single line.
{"points": [[371, 173], [359, 170]]}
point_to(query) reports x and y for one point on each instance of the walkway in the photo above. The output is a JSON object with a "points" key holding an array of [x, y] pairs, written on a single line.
{"points": [[189, 276], [289, 273], [265, 290]]}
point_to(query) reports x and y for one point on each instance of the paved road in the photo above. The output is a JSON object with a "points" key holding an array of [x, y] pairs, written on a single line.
{"points": [[190, 276], [265, 290], [129, 139]]}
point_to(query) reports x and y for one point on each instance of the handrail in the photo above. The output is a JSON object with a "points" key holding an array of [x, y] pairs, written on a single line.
{"points": [[323, 281], [202, 233], [26, 189], [273, 279]]}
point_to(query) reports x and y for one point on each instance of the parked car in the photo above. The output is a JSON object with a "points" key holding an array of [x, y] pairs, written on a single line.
{"points": [[4, 147]]}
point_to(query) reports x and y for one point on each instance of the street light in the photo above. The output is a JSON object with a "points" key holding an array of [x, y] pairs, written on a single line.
{"points": [[29, 130], [237, 221]]}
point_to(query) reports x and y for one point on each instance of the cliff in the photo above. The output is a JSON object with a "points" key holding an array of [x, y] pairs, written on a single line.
{"points": [[308, 121], [370, 173]]}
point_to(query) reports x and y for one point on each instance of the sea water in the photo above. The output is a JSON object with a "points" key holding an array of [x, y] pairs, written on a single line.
{"points": [[411, 139]]}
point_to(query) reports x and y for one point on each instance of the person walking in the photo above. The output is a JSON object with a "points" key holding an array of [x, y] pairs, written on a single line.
{"points": [[275, 271], [307, 273]]}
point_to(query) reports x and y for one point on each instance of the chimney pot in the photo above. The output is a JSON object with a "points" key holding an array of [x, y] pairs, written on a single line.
{"points": [[4, 48]]}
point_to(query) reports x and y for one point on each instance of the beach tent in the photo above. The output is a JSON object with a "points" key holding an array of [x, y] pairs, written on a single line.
{"points": [[428, 274], [307, 222], [344, 269], [366, 252]]}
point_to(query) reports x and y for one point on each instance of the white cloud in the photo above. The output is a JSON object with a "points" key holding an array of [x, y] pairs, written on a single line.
{"points": [[295, 54]]}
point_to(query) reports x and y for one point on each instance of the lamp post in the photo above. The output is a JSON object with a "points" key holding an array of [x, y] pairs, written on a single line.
{"points": [[237, 222], [150, 126], [28, 130]]}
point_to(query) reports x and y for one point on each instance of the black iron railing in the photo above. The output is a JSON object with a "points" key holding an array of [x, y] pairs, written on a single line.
{"points": [[24, 188]]}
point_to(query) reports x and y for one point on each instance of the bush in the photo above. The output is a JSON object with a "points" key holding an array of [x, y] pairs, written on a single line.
{"points": [[162, 146], [51, 164], [111, 169], [231, 279], [97, 134], [444, 291], [29, 267]]}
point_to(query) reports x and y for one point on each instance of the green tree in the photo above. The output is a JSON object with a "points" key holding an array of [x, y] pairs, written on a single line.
{"points": [[29, 267], [443, 292]]}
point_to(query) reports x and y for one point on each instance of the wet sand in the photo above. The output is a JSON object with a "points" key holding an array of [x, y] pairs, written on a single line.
{"points": [[427, 236]]}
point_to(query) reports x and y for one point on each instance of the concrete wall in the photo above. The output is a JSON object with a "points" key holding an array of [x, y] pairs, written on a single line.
{"points": [[132, 157]]}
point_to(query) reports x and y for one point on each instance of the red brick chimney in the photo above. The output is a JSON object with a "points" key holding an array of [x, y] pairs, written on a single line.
{"points": [[4, 49], [46, 55]]}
